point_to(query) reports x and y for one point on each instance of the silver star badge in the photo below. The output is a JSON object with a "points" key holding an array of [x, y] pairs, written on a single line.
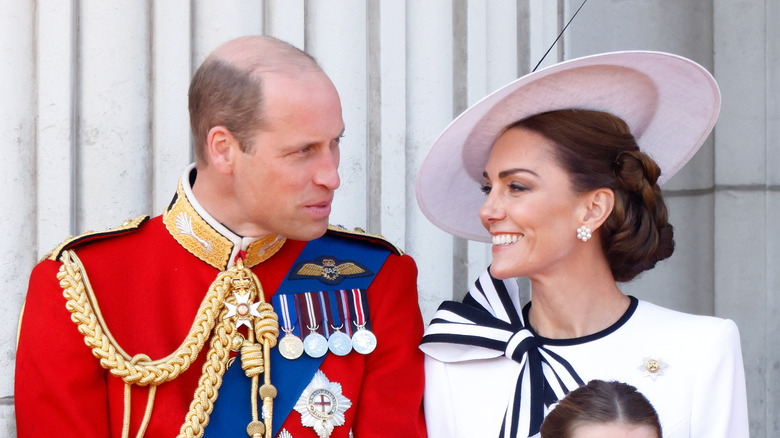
{"points": [[322, 405], [242, 310]]}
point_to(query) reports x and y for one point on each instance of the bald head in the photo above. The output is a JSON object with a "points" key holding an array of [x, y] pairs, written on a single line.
{"points": [[226, 90], [263, 54]]}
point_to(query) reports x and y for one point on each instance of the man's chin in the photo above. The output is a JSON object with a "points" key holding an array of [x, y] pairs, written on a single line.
{"points": [[310, 232]]}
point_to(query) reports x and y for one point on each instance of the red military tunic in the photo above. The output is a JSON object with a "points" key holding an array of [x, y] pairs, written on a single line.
{"points": [[149, 282]]}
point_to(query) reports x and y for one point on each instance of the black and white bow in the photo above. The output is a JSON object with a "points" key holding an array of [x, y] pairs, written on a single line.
{"points": [[488, 324]]}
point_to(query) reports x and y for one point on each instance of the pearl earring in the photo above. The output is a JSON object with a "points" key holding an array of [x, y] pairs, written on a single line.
{"points": [[584, 233]]}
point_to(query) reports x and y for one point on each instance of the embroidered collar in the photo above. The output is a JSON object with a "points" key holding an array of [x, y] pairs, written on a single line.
{"points": [[207, 239], [488, 324]]}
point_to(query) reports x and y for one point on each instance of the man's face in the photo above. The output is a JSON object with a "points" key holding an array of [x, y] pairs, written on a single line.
{"points": [[285, 184]]}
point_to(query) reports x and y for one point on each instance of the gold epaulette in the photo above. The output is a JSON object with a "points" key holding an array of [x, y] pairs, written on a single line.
{"points": [[361, 234], [128, 225]]}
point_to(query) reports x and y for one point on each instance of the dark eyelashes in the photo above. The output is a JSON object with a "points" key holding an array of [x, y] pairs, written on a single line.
{"points": [[485, 189]]}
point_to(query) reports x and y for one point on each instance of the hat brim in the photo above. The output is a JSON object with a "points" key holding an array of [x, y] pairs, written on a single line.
{"points": [[670, 104]]}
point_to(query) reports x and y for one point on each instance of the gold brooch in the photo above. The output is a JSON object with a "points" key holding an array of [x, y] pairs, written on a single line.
{"points": [[652, 367]]}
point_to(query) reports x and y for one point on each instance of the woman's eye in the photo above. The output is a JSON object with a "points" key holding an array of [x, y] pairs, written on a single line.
{"points": [[485, 189], [517, 188]]}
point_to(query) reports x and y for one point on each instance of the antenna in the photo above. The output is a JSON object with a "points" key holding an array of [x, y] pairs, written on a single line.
{"points": [[559, 35]]}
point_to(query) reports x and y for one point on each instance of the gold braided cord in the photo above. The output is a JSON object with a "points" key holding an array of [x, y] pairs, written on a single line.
{"points": [[256, 360], [252, 358], [218, 356], [140, 370], [212, 316], [148, 413], [267, 325], [126, 419], [210, 380]]}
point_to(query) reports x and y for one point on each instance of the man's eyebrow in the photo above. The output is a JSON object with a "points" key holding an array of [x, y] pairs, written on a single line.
{"points": [[505, 173]]}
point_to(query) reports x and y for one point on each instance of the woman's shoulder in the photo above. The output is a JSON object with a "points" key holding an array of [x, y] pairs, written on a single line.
{"points": [[678, 323]]}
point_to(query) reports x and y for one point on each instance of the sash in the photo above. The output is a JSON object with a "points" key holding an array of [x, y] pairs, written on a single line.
{"points": [[329, 263]]}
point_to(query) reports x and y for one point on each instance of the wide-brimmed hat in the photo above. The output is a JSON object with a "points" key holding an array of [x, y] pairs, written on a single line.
{"points": [[670, 104]]}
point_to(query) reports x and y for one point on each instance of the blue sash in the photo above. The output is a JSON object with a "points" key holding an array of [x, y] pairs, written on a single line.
{"points": [[232, 409]]}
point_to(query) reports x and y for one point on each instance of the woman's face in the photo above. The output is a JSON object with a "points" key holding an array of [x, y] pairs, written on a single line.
{"points": [[614, 430], [531, 211]]}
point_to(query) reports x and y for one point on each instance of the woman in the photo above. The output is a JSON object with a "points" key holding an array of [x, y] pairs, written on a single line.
{"points": [[569, 159], [603, 410]]}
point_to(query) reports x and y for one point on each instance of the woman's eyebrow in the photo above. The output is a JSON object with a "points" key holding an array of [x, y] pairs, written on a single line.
{"points": [[505, 173]]}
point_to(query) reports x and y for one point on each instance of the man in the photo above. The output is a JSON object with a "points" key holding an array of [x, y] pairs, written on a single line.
{"points": [[179, 312]]}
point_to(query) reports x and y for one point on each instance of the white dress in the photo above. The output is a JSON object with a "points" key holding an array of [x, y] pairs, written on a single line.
{"points": [[697, 385]]}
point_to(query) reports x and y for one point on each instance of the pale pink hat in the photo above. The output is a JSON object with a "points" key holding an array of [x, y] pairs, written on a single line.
{"points": [[670, 103]]}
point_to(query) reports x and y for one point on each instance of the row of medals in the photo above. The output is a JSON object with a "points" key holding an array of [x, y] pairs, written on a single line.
{"points": [[315, 345]]}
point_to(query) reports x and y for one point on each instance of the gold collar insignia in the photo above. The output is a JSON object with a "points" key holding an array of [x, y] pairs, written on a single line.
{"points": [[204, 241]]}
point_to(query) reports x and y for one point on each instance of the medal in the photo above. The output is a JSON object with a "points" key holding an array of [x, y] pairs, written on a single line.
{"points": [[290, 346], [314, 344], [339, 343], [363, 340]]}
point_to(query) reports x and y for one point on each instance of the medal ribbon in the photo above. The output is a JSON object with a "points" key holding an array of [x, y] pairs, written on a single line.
{"points": [[310, 312], [345, 315], [282, 307], [325, 317], [333, 310], [361, 314]]}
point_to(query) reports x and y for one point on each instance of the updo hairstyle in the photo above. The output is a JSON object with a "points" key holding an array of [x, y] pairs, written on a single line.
{"points": [[600, 402], [597, 150]]}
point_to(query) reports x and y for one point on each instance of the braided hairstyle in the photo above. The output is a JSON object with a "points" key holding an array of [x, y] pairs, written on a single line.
{"points": [[597, 150]]}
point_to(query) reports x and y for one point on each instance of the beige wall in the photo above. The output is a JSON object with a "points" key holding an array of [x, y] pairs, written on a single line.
{"points": [[93, 113]]}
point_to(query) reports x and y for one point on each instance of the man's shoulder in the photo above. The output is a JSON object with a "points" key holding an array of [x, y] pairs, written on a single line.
{"points": [[358, 235], [128, 226]]}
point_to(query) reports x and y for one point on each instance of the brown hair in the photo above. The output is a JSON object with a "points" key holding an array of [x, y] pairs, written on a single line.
{"points": [[598, 151], [227, 89], [600, 402]]}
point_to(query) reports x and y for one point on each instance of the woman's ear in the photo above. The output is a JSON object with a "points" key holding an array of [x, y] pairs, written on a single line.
{"points": [[221, 149], [599, 204]]}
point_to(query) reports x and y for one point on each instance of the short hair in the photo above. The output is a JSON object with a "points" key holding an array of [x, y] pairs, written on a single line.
{"points": [[227, 89], [597, 150], [600, 402]]}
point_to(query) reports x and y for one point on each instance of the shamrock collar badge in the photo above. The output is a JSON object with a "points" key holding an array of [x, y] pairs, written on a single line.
{"points": [[652, 367]]}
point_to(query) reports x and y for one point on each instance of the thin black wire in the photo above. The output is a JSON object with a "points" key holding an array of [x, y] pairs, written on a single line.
{"points": [[559, 35]]}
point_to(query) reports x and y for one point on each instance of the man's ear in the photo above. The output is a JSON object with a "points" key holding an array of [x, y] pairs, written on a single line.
{"points": [[599, 204], [221, 149]]}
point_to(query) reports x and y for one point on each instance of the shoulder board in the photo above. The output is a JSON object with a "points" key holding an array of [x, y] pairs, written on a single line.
{"points": [[358, 233], [127, 226]]}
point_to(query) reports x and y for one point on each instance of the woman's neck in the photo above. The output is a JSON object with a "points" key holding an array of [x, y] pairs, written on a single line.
{"points": [[575, 305]]}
